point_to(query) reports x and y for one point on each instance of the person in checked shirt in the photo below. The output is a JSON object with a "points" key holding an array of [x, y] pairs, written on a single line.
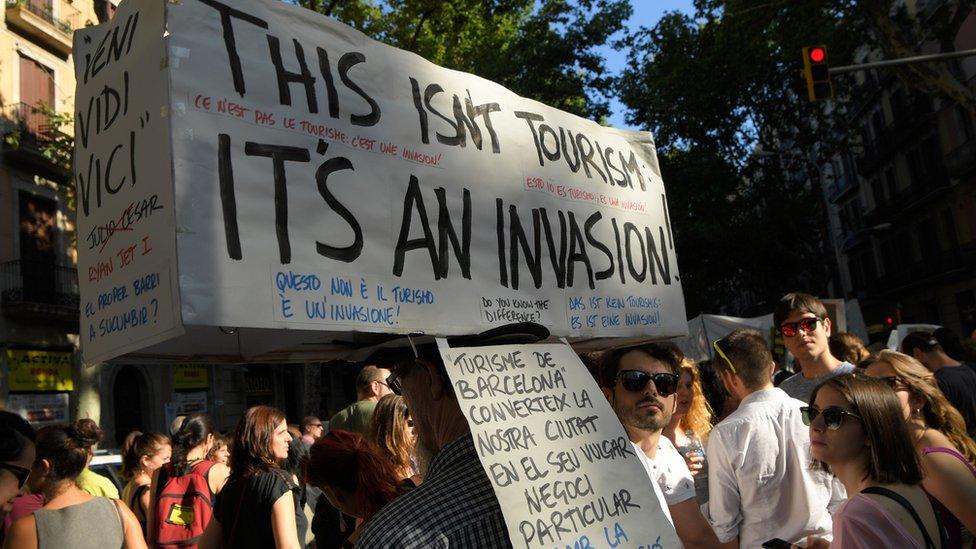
{"points": [[455, 506]]}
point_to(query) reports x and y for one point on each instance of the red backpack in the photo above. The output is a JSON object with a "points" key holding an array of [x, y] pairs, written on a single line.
{"points": [[184, 505]]}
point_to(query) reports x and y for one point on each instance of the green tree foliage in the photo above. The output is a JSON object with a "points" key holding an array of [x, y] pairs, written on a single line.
{"points": [[714, 89], [741, 146], [545, 50]]}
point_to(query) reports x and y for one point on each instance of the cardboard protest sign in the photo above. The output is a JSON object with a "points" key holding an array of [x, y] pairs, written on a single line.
{"points": [[563, 469], [324, 183], [123, 175]]}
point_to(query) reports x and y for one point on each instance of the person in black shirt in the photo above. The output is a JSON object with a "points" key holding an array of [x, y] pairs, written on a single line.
{"points": [[957, 381], [256, 508]]}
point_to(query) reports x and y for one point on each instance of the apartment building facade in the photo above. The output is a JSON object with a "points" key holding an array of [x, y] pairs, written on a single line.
{"points": [[903, 207], [41, 372]]}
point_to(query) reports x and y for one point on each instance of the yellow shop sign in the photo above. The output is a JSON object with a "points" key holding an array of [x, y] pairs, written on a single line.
{"points": [[190, 376], [39, 370]]}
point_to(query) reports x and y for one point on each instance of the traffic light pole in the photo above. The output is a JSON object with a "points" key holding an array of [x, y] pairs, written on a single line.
{"points": [[905, 61]]}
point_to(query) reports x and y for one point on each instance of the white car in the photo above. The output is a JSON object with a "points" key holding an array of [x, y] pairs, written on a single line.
{"points": [[108, 463]]}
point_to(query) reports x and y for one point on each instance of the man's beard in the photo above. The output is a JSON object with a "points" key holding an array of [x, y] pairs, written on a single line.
{"points": [[641, 418]]}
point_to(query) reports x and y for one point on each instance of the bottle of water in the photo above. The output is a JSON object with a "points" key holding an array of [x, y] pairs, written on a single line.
{"points": [[694, 448]]}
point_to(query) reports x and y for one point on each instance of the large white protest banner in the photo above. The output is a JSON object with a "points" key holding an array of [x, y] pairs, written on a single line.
{"points": [[324, 183], [564, 471]]}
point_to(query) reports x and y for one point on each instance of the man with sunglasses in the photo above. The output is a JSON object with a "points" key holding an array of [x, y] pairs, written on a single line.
{"points": [[802, 319], [370, 388], [761, 484], [640, 384]]}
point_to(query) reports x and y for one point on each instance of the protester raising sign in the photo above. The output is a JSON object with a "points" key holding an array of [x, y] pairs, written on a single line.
{"points": [[305, 177], [564, 471]]}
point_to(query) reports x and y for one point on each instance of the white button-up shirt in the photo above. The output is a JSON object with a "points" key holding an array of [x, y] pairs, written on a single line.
{"points": [[761, 481]]}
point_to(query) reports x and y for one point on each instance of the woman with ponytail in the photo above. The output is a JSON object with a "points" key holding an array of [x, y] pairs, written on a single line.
{"points": [[71, 517], [948, 455], [183, 490], [256, 509], [142, 454], [353, 475]]}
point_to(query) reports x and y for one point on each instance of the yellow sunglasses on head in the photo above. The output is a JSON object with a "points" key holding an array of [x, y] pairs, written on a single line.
{"points": [[722, 354]]}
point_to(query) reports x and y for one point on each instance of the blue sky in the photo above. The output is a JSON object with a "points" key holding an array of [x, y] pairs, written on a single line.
{"points": [[646, 14]]}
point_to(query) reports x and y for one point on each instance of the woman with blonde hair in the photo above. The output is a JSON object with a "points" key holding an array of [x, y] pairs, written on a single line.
{"points": [[948, 455], [690, 425], [391, 430]]}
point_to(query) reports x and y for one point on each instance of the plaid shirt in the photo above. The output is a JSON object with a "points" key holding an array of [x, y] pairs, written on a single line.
{"points": [[455, 507]]}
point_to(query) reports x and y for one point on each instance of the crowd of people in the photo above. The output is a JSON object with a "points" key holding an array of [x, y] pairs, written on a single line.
{"points": [[853, 450]]}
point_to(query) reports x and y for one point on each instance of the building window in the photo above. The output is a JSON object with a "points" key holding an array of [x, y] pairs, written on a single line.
{"points": [[915, 167], [949, 228], [890, 183], [887, 257], [36, 89], [877, 193]]}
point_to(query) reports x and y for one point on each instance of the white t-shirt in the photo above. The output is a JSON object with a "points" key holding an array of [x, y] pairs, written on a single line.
{"points": [[670, 472], [657, 488]]}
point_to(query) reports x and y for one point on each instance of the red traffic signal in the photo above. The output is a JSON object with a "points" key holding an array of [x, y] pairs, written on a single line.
{"points": [[889, 321], [817, 55], [816, 72]]}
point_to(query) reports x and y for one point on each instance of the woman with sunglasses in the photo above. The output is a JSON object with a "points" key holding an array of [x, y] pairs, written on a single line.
{"points": [[857, 430], [16, 456], [947, 453], [391, 430], [690, 425], [71, 517]]}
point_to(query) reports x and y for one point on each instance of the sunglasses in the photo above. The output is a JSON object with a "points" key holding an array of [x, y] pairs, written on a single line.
{"points": [[393, 380], [833, 416], [808, 325], [20, 472], [635, 381], [722, 354]]}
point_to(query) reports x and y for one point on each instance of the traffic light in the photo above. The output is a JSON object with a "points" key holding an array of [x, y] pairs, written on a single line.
{"points": [[816, 73]]}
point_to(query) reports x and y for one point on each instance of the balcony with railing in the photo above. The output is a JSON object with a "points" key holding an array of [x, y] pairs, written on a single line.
{"points": [[28, 141], [50, 22], [39, 290], [936, 264]]}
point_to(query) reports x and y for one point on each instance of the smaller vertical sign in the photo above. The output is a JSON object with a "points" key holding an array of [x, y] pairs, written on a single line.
{"points": [[563, 469]]}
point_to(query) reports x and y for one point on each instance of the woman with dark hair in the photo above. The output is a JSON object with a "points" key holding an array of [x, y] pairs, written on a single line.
{"points": [[391, 430], [88, 480], [857, 430], [256, 509], [183, 490], [16, 456], [71, 517], [142, 454], [353, 476], [947, 453]]}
